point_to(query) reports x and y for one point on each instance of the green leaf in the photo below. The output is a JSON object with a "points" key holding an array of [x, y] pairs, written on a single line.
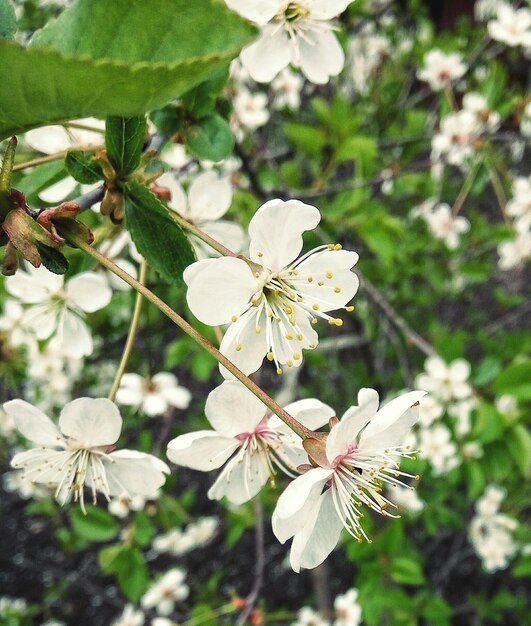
{"points": [[515, 380], [96, 525], [201, 100], [143, 529], [129, 566], [157, 236], [124, 140], [53, 260], [309, 139], [92, 61], [83, 167], [8, 21], [211, 138], [41, 177], [407, 571], [519, 443]]}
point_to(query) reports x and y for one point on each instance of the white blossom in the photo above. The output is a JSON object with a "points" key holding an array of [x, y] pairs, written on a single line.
{"points": [[168, 590], [287, 88], [308, 617], [300, 33], [246, 439], [366, 51], [153, 395], [123, 504], [512, 26], [347, 609], [445, 226], [440, 69], [79, 452], [130, 617], [436, 445], [445, 382], [515, 252], [272, 300], [405, 498]]}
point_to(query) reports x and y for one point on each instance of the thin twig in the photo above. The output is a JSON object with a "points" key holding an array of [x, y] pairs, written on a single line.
{"points": [[411, 336], [52, 157], [260, 562], [256, 186]]}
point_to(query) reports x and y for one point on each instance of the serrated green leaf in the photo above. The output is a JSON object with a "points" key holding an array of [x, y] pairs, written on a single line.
{"points": [[83, 167], [211, 138], [124, 140], [96, 525], [8, 21], [53, 260], [159, 239], [407, 571], [92, 61]]}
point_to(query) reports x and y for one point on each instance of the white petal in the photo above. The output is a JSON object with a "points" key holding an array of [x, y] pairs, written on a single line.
{"points": [[253, 345], [203, 450], [259, 11], [218, 289], [154, 404], [134, 472], [59, 191], [89, 291], [210, 197], [48, 139], [231, 235], [117, 283], [276, 232], [42, 320], [322, 58], [233, 410], [267, 56], [178, 201], [91, 422], [179, 397], [241, 479], [72, 338], [309, 412], [131, 390], [328, 9], [34, 286], [345, 433], [43, 465], [392, 423], [33, 423], [316, 541], [297, 501]]}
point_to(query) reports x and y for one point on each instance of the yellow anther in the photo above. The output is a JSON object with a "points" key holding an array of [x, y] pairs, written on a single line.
{"points": [[257, 274], [288, 310], [299, 336], [234, 318], [338, 246], [289, 363], [270, 356], [295, 272], [279, 371], [258, 328], [337, 289], [349, 309], [260, 254], [320, 283], [329, 275], [315, 307], [296, 356], [310, 279], [238, 347], [289, 336], [314, 320]]}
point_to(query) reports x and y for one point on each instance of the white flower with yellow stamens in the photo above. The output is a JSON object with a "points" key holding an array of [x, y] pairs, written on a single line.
{"points": [[272, 300]]}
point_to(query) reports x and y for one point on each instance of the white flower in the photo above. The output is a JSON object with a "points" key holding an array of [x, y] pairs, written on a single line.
{"points": [[56, 309], [130, 617], [250, 110], [515, 252], [477, 104], [436, 445], [79, 452], [366, 51], [511, 26], [178, 542], [287, 88], [406, 498], [445, 226], [519, 206], [455, 141], [506, 403], [122, 505], [440, 69], [430, 410], [445, 382], [485, 9], [272, 299], [114, 249], [347, 609], [153, 395], [297, 32], [12, 324], [462, 411], [15, 481], [359, 456], [308, 617], [209, 198], [169, 589], [247, 439]]}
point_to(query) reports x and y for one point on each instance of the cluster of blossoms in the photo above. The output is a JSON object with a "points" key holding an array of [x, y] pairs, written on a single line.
{"points": [[462, 133], [441, 223], [178, 542], [490, 531], [518, 250], [366, 52], [449, 393], [346, 608]]}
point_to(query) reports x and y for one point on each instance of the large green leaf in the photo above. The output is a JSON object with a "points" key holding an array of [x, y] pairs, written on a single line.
{"points": [[158, 238], [124, 139], [123, 57]]}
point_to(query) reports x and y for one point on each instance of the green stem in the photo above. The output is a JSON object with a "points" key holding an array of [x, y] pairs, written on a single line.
{"points": [[191, 228], [226, 609], [465, 190], [297, 427], [131, 336]]}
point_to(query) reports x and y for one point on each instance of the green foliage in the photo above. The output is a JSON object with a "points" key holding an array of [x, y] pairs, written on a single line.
{"points": [[157, 236], [124, 140], [95, 525], [83, 167], [8, 22], [90, 60], [129, 566], [210, 138]]}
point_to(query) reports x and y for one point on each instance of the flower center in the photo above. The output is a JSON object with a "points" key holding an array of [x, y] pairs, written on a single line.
{"points": [[295, 11]]}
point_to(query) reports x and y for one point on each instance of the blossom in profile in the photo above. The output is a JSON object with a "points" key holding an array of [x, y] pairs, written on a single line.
{"points": [[349, 469], [55, 309], [153, 395], [247, 440], [208, 199], [300, 33], [441, 69], [272, 300], [80, 453]]}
